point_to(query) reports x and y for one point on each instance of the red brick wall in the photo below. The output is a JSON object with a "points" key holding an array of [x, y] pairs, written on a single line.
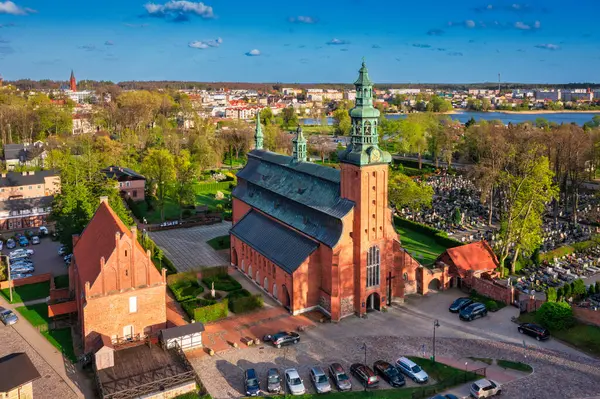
{"points": [[587, 316], [110, 313], [27, 280], [495, 291], [62, 308], [61, 293]]}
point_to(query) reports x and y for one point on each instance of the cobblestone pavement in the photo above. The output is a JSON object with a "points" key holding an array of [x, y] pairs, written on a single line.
{"points": [[187, 248], [556, 374], [50, 385]]}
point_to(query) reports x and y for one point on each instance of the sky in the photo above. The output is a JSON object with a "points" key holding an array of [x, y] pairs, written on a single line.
{"points": [[310, 41]]}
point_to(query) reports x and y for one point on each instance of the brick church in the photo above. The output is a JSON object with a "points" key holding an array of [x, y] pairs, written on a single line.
{"points": [[119, 293], [314, 237]]}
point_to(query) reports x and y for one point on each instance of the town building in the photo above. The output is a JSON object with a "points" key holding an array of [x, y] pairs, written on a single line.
{"points": [[26, 198], [131, 184], [24, 155], [82, 124], [315, 237], [119, 293], [17, 375]]}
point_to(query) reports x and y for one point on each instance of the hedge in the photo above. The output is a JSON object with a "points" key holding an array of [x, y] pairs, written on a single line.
{"points": [[238, 294], [569, 249], [214, 271], [222, 283], [246, 304], [158, 256], [184, 286], [555, 316], [212, 187], [441, 237], [206, 310]]}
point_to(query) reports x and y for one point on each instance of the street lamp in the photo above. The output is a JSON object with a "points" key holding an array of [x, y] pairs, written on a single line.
{"points": [[436, 324]]}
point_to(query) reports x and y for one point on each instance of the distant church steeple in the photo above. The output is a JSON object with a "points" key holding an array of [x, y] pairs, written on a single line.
{"points": [[73, 82], [299, 146], [258, 135]]}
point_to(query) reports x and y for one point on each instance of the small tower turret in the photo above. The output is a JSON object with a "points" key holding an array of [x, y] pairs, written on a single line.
{"points": [[258, 134], [299, 146]]}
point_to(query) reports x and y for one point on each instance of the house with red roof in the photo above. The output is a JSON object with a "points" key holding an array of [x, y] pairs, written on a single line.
{"points": [[119, 293]]}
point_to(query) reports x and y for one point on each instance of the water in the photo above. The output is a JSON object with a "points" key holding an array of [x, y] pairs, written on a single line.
{"points": [[562, 117]]}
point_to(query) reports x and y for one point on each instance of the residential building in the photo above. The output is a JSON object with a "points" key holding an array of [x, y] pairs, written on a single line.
{"points": [[82, 124], [131, 184], [119, 293], [26, 198], [24, 154], [548, 95], [18, 374], [317, 237]]}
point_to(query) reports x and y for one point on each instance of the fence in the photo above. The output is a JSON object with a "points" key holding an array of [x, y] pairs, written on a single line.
{"points": [[427, 392], [205, 220]]}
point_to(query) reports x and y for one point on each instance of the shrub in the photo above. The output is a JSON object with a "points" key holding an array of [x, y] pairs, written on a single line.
{"points": [[441, 237], [492, 306], [208, 295], [238, 294], [246, 304], [551, 294], [578, 288], [206, 310], [214, 271], [222, 283], [567, 291], [187, 213], [184, 286], [597, 287], [592, 289], [555, 316]]}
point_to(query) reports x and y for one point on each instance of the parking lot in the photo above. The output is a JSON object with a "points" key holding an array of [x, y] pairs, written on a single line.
{"points": [[45, 257]]}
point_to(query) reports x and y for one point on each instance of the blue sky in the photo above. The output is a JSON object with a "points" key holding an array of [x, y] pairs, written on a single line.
{"points": [[309, 41]]}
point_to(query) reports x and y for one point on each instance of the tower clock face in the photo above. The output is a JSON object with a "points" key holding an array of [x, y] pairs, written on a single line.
{"points": [[375, 155]]}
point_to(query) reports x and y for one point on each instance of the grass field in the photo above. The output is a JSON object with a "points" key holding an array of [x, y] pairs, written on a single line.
{"points": [[61, 281], [28, 292], [218, 243], [508, 364], [62, 340], [316, 129], [423, 246]]}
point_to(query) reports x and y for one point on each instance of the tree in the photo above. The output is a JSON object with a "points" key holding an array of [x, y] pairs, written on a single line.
{"points": [[457, 216], [551, 294], [470, 123], [555, 316], [597, 287], [266, 116], [159, 168], [567, 291], [342, 124], [578, 288], [183, 191], [404, 192], [591, 290], [560, 293], [416, 130], [290, 118]]}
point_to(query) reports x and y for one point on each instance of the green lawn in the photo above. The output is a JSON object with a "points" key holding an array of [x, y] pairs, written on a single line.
{"points": [[508, 364], [61, 281], [424, 246], [482, 360], [28, 292], [218, 243], [37, 314], [62, 340], [317, 129]]}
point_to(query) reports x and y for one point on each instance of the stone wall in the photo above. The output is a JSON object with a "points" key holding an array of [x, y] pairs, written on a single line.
{"points": [[347, 306], [27, 280], [493, 290], [587, 316]]}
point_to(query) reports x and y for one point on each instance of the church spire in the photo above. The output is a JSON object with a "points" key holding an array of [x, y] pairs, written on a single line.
{"points": [[258, 135], [72, 82], [299, 146]]}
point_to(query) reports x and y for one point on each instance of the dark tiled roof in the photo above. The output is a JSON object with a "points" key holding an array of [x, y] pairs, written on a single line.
{"points": [[26, 203], [180, 331], [16, 370], [121, 174], [303, 195], [278, 243], [20, 152], [16, 179]]}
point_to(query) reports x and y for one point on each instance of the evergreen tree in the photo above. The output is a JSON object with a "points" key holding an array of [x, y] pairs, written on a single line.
{"points": [[551, 294]]}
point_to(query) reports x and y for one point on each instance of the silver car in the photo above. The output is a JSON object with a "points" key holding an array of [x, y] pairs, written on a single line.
{"points": [[294, 382], [8, 317], [320, 380], [412, 370]]}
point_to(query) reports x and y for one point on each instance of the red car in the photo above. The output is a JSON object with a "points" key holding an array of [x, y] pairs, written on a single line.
{"points": [[364, 374]]}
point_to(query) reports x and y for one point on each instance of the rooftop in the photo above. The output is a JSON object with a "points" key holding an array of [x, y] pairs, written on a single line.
{"points": [[477, 256], [16, 370], [120, 173], [16, 179]]}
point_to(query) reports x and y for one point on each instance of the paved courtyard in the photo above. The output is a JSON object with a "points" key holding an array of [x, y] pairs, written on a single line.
{"points": [[187, 248]]}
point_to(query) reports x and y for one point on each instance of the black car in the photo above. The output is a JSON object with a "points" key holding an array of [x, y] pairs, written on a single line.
{"points": [[389, 373], [473, 311], [251, 383], [339, 377], [364, 374], [534, 330], [284, 338], [460, 304]]}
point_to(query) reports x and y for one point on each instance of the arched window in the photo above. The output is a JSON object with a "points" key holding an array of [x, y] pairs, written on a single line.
{"points": [[257, 279], [266, 284], [243, 266], [373, 267], [250, 271], [275, 291]]}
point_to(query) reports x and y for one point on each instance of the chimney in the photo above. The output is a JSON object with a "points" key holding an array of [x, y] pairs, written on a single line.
{"points": [[104, 199]]}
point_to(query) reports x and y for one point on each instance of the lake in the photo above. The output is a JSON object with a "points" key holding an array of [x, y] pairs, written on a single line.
{"points": [[562, 117]]}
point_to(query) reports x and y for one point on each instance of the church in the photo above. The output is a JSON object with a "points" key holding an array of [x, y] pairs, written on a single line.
{"points": [[315, 237]]}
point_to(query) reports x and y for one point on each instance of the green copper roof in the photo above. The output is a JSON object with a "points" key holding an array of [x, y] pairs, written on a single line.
{"points": [[258, 135], [363, 77]]}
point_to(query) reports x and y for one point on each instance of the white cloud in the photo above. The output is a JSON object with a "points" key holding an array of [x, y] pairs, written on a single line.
{"points": [[253, 53], [537, 25], [8, 7], [204, 44], [469, 23], [303, 19], [522, 25], [109, 43], [337, 42], [548, 46], [178, 8]]}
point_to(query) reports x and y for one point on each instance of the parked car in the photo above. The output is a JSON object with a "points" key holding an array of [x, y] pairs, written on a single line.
{"points": [[8, 317], [485, 388], [273, 381], [412, 370], [43, 231], [10, 243], [62, 250], [534, 330], [251, 383], [21, 261], [473, 311], [21, 252], [389, 373], [339, 377], [294, 382], [319, 380], [35, 240], [68, 258], [364, 374], [460, 304], [1, 245], [19, 275], [446, 396], [23, 241], [284, 338], [21, 269]]}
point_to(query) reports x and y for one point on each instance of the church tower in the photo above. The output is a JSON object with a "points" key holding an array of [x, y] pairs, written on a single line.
{"points": [[72, 82], [258, 134], [364, 180], [299, 146]]}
